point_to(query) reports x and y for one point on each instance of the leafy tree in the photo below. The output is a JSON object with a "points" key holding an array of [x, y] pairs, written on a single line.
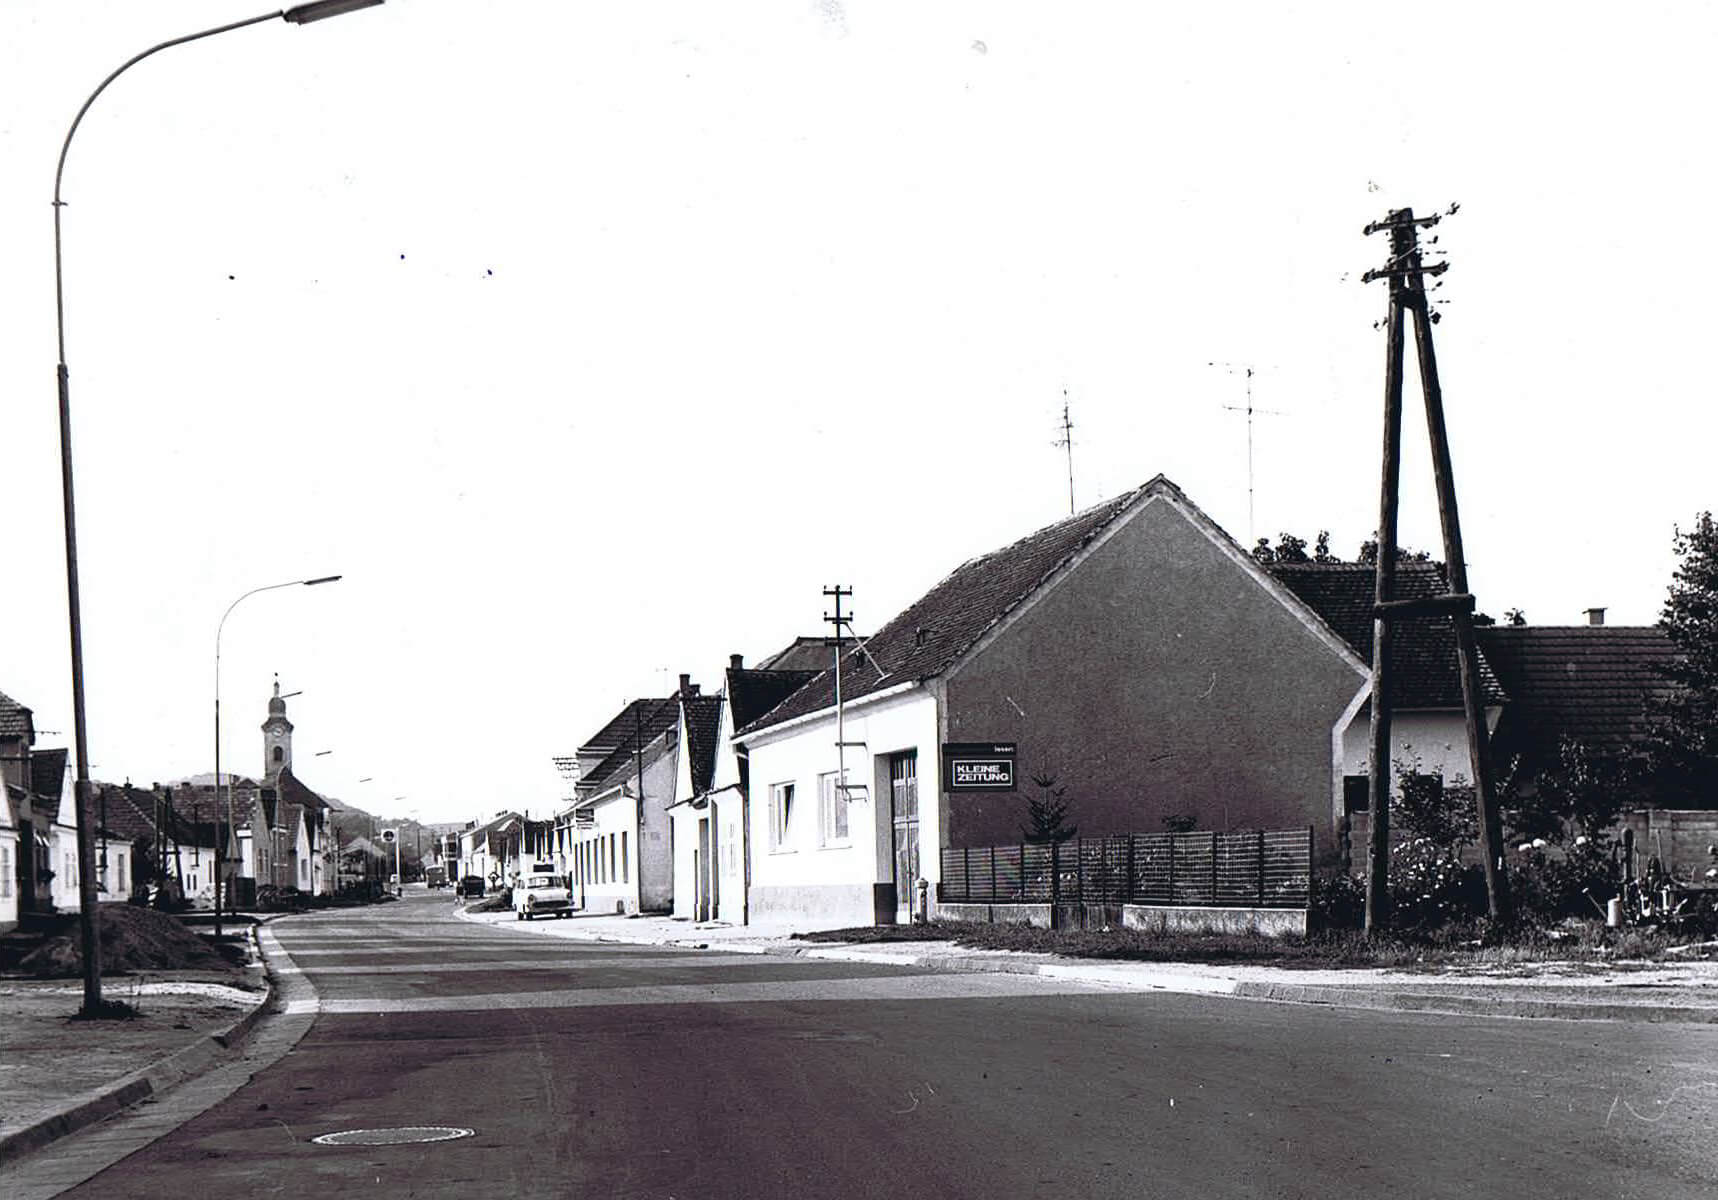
{"points": [[1683, 744], [1321, 548], [1369, 553], [1047, 813], [1263, 552], [1577, 800], [1291, 549]]}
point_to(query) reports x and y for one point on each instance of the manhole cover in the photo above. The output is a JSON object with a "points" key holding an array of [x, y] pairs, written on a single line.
{"points": [[409, 1135]]}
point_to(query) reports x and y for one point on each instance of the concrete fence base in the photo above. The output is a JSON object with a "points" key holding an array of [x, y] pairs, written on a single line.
{"points": [[1152, 918]]}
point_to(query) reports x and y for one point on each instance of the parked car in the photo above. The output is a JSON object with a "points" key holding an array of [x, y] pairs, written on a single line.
{"points": [[541, 895], [471, 887]]}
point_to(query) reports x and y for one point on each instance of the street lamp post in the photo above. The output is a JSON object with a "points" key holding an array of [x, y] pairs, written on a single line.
{"points": [[301, 14], [232, 827]]}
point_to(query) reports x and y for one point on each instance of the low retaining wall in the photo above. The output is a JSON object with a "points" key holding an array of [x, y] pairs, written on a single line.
{"points": [[1271, 922], [1153, 918]]}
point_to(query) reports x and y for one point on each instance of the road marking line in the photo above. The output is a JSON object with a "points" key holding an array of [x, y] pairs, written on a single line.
{"points": [[894, 987]]}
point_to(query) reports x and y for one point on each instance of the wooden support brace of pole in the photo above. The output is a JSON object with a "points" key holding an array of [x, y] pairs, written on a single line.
{"points": [[1467, 654], [1424, 606]]}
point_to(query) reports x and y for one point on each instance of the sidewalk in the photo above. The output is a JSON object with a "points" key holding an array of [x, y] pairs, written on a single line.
{"points": [[1682, 992], [61, 1075]]}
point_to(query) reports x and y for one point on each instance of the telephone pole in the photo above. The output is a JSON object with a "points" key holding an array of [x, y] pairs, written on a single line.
{"points": [[1406, 274]]}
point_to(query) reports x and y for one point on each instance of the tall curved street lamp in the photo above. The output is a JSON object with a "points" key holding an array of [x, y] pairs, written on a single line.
{"points": [[232, 828], [301, 14]]}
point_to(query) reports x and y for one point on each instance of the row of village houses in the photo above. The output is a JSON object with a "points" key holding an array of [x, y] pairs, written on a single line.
{"points": [[281, 835], [1134, 653]]}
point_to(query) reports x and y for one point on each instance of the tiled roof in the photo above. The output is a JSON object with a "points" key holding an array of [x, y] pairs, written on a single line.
{"points": [[754, 693], [15, 719], [651, 718], [482, 833], [932, 634], [805, 654], [1425, 673], [48, 780], [618, 730], [129, 813], [292, 789], [703, 721], [1586, 682]]}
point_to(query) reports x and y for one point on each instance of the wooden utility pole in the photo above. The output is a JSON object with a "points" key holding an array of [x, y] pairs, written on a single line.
{"points": [[1384, 591], [1406, 273]]}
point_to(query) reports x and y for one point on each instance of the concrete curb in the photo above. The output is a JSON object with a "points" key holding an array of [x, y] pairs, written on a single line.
{"points": [[1475, 1005], [1153, 978], [99, 1103]]}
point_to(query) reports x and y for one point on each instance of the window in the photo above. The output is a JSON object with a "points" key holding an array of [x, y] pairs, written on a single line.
{"points": [[781, 814], [5, 872], [625, 871], [278, 754], [1356, 794], [832, 810], [121, 863]]}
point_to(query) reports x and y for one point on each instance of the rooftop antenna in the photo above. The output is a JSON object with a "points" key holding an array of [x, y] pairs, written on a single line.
{"points": [[1247, 370], [1066, 441]]}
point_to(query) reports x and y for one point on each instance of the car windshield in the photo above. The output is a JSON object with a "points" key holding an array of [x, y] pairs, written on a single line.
{"points": [[541, 881]]}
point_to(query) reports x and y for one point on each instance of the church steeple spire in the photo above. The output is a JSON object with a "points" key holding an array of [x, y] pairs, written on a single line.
{"points": [[276, 736]]}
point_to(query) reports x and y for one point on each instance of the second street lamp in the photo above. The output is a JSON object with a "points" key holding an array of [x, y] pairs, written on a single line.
{"points": [[232, 827]]}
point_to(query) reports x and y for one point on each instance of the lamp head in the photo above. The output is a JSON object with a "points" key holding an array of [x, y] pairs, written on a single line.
{"points": [[320, 10]]}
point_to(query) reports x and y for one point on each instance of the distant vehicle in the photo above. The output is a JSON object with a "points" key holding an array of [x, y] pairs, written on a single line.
{"points": [[471, 887], [541, 895], [435, 877]]}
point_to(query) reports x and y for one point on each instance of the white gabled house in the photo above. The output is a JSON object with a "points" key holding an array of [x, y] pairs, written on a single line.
{"points": [[620, 854]]}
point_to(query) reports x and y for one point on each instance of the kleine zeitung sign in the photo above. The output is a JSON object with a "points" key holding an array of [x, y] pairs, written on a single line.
{"points": [[979, 766]]}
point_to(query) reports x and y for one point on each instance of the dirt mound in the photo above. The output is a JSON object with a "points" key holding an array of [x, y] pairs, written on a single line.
{"points": [[132, 939]]}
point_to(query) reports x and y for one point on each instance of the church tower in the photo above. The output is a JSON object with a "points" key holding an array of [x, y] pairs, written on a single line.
{"points": [[276, 737]]}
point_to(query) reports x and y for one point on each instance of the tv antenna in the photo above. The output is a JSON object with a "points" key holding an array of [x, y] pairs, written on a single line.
{"points": [[1248, 370], [1066, 441]]}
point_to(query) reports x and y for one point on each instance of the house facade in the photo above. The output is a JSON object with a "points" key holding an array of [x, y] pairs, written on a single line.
{"points": [[620, 856], [1135, 656]]}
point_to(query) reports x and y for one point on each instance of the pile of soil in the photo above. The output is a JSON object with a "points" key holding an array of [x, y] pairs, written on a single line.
{"points": [[133, 938]]}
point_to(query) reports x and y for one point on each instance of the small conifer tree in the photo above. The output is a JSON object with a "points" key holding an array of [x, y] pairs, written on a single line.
{"points": [[1047, 814]]}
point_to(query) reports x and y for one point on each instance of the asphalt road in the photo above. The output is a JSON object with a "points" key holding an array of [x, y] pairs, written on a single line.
{"points": [[596, 1070]]}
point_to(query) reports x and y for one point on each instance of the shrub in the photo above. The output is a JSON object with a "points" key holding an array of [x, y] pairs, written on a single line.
{"points": [[1338, 900], [1431, 886]]}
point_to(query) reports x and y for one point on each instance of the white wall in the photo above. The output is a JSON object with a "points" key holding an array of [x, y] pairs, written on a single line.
{"points": [[1436, 739], [684, 821], [8, 874], [598, 888], [804, 881], [725, 819]]}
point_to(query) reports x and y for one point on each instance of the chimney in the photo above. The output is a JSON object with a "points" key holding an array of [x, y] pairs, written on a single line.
{"points": [[1595, 616], [736, 662], [687, 687]]}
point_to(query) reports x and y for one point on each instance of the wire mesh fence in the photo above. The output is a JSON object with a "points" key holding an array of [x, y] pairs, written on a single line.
{"points": [[1257, 869]]}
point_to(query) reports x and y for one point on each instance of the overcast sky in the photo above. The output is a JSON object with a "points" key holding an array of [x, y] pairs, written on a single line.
{"points": [[591, 341]]}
